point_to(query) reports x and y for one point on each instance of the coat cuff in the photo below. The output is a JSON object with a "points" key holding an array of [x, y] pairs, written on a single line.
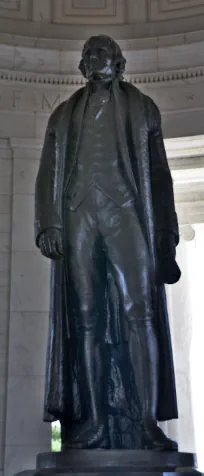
{"points": [[37, 238], [45, 218]]}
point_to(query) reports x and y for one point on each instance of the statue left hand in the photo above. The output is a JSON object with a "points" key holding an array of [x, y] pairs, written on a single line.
{"points": [[168, 267], [50, 243]]}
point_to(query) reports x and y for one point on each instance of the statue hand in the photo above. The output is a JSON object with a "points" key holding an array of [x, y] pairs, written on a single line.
{"points": [[168, 267], [169, 271], [50, 243]]}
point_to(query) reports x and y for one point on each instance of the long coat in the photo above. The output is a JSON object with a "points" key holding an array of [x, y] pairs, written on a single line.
{"points": [[145, 162]]}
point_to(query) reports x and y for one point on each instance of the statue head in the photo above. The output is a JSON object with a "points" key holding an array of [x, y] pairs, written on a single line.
{"points": [[102, 59]]}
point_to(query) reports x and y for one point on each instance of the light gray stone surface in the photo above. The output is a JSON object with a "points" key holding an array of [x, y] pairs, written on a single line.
{"points": [[25, 172], [21, 457], [22, 224], [16, 124], [29, 282], [24, 422], [28, 334]]}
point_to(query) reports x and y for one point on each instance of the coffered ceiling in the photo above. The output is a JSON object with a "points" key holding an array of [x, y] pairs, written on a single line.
{"points": [[92, 13]]}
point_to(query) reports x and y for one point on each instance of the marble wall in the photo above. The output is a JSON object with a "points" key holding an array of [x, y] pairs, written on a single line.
{"points": [[5, 260], [26, 434], [36, 75], [24, 297]]}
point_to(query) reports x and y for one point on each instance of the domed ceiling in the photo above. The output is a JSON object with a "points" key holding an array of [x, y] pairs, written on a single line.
{"points": [[162, 40], [79, 18]]}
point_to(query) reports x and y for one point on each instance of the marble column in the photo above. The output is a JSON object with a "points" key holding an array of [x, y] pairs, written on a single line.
{"points": [[5, 246], [180, 316], [26, 434], [195, 332]]}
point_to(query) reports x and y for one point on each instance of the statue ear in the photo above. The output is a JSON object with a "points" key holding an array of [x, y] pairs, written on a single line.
{"points": [[82, 68], [120, 66]]}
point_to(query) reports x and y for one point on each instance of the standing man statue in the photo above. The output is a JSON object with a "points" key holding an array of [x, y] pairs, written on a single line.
{"points": [[105, 216]]}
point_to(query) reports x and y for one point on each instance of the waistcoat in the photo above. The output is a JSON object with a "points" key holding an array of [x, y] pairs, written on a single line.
{"points": [[98, 161]]}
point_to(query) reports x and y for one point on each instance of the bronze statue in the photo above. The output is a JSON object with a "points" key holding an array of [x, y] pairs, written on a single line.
{"points": [[105, 215]]}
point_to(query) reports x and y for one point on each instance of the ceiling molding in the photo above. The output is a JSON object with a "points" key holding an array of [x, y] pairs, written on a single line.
{"points": [[24, 77], [185, 147], [58, 19], [127, 44]]}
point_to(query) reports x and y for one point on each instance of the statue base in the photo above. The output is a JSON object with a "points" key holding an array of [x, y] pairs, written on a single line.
{"points": [[114, 463]]}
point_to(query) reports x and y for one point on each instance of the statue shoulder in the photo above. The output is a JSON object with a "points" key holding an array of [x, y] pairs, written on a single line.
{"points": [[133, 90], [129, 88], [152, 113], [151, 109], [151, 106]]}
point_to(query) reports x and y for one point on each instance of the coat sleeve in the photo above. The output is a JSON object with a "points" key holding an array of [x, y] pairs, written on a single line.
{"points": [[165, 216], [46, 215]]}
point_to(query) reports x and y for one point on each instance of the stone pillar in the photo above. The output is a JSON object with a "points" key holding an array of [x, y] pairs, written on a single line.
{"points": [[5, 245], [195, 331], [180, 316], [26, 434]]}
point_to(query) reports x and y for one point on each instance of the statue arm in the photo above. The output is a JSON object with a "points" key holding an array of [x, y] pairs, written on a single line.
{"points": [[166, 222], [46, 215]]}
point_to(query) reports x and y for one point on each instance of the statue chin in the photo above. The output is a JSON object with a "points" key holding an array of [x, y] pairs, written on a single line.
{"points": [[92, 75]]}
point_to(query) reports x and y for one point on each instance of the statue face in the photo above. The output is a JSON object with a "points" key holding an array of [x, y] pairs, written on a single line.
{"points": [[98, 57]]}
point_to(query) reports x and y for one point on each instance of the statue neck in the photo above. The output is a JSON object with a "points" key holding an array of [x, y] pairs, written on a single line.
{"points": [[101, 85]]}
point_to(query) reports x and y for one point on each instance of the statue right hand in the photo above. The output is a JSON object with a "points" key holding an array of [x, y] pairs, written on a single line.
{"points": [[50, 243]]}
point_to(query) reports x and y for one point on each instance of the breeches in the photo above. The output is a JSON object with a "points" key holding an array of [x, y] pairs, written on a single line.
{"points": [[101, 236]]}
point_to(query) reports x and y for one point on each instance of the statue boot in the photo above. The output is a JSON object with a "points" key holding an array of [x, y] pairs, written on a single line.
{"points": [[144, 356], [92, 432]]}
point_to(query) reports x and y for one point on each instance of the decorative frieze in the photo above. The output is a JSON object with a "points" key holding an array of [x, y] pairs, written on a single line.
{"points": [[77, 80], [43, 93]]}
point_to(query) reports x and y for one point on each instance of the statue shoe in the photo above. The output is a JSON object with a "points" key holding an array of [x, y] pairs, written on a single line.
{"points": [[88, 436], [154, 438]]}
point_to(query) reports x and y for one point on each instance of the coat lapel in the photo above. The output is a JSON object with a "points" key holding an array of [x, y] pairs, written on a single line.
{"points": [[140, 138], [139, 132], [65, 124], [121, 136]]}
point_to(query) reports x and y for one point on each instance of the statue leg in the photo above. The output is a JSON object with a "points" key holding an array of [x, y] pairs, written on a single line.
{"points": [[87, 281], [128, 255], [92, 431], [144, 356]]}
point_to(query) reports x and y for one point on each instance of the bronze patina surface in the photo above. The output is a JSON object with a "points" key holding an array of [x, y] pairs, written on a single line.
{"points": [[105, 216]]}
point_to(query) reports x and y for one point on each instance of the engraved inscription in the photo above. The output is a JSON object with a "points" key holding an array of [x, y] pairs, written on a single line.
{"points": [[17, 98], [49, 106], [33, 101]]}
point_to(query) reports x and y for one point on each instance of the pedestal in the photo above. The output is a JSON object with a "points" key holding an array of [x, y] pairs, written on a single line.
{"points": [[115, 462]]}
